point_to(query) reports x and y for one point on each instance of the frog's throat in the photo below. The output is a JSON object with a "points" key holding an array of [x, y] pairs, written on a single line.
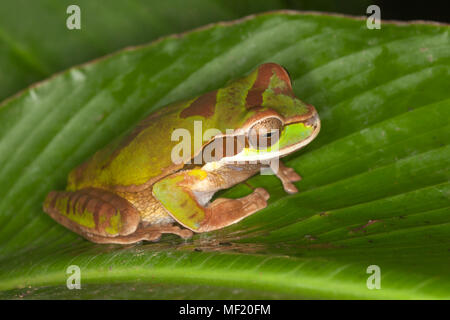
{"points": [[293, 137]]}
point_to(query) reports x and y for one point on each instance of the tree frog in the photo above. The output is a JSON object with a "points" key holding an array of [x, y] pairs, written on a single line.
{"points": [[132, 190]]}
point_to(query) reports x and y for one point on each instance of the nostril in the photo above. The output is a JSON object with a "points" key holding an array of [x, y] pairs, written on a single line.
{"points": [[313, 121]]}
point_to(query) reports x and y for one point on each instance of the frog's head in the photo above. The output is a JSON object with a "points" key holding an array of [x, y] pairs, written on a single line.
{"points": [[272, 136], [276, 122]]}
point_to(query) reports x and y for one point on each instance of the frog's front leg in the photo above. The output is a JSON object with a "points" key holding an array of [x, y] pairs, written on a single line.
{"points": [[287, 175], [103, 217], [223, 212], [186, 195]]}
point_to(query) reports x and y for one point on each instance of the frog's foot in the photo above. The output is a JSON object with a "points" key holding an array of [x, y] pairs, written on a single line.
{"points": [[223, 212], [287, 175], [152, 233], [290, 173]]}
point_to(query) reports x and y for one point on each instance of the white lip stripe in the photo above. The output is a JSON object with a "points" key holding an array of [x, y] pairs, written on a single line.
{"points": [[272, 155]]}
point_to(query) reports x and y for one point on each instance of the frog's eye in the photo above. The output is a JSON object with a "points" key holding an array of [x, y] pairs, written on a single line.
{"points": [[265, 133]]}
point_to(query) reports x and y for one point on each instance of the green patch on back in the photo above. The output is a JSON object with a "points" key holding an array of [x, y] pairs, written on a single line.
{"points": [[179, 202]]}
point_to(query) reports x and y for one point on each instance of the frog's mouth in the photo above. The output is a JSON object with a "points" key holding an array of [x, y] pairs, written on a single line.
{"points": [[292, 137]]}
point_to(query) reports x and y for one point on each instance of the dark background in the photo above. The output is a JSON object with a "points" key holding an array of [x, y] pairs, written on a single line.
{"points": [[415, 10], [390, 9]]}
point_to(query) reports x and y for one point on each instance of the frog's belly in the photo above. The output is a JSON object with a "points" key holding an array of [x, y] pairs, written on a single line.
{"points": [[151, 210]]}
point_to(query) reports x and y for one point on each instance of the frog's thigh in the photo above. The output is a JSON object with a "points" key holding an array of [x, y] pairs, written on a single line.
{"points": [[93, 212], [177, 194]]}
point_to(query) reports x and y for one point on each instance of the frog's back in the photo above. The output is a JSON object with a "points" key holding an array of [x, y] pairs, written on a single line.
{"points": [[145, 155], [134, 160]]}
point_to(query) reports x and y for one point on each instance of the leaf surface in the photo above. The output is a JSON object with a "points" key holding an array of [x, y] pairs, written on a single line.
{"points": [[375, 187]]}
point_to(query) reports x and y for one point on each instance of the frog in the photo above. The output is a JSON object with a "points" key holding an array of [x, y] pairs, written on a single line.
{"points": [[133, 190]]}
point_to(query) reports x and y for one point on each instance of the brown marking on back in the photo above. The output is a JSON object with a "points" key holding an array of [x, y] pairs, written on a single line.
{"points": [[254, 98], [202, 106], [265, 73]]}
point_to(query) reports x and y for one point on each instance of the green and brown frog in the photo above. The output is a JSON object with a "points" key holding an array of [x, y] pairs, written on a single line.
{"points": [[133, 190]]}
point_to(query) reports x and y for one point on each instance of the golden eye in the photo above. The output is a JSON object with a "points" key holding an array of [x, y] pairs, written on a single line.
{"points": [[265, 133]]}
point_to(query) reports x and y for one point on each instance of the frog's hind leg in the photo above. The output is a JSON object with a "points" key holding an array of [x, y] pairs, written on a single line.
{"points": [[93, 213]]}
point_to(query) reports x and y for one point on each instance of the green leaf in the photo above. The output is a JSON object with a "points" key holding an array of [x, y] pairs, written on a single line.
{"points": [[375, 187]]}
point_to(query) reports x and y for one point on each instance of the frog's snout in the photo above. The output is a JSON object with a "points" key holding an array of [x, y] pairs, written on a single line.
{"points": [[313, 121]]}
